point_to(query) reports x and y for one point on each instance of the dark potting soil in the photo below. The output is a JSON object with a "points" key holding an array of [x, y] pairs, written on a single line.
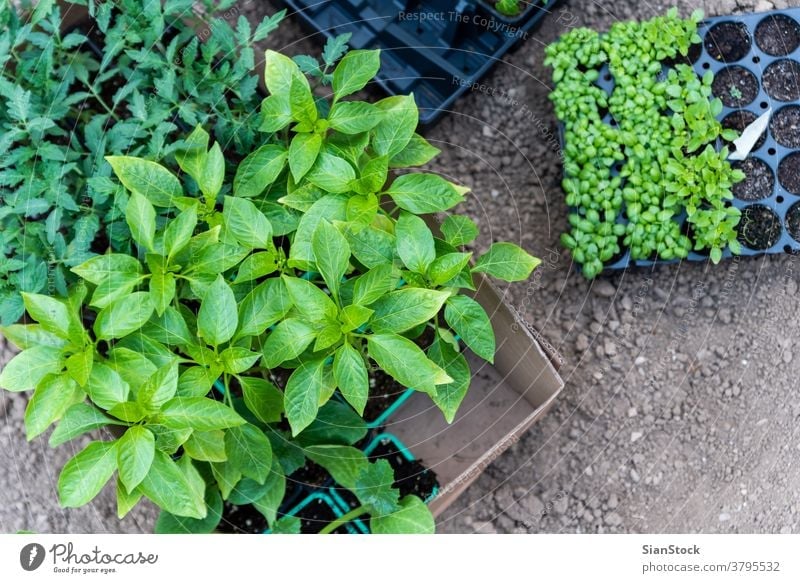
{"points": [[789, 172], [735, 86], [777, 35], [241, 520], [781, 80], [793, 221], [315, 516], [759, 180], [785, 126], [411, 477], [739, 120], [760, 228], [311, 474], [727, 41]]}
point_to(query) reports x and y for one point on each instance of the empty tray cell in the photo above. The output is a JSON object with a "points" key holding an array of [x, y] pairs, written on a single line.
{"points": [[785, 126], [778, 35], [789, 173], [793, 221], [728, 41], [759, 180], [781, 80], [760, 227]]}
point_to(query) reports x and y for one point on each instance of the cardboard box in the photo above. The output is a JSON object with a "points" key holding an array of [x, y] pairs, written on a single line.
{"points": [[502, 403]]}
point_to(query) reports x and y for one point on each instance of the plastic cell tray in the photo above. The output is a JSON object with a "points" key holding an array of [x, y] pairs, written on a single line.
{"points": [[436, 49]]}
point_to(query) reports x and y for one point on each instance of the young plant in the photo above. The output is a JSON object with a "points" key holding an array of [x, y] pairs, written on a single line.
{"points": [[314, 261], [68, 101], [640, 158]]}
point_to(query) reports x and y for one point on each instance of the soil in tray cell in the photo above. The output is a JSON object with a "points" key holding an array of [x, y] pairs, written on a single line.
{"points": [[241, 520], [759, 180], [760, 227], [785, 126], [793, 222], [781, 80], [411, 476], [777, 35], [315, 516], [739, 120], [727, 41], [735, 86], [789, 172]]}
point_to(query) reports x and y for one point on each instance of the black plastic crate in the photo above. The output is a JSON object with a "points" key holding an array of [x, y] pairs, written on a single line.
{"points": [[436, 49], [780, 204]]}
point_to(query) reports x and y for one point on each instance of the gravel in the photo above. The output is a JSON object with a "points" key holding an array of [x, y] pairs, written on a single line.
{"points": [[694, 360]]}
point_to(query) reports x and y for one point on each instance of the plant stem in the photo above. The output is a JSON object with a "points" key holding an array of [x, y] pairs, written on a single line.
{"points": [[352, 515]]}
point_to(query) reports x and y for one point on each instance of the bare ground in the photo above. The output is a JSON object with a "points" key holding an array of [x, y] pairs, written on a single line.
{"points": [[682, 401]]}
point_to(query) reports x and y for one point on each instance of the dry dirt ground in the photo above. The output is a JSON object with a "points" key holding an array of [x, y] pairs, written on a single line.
{"points": [[682, 401]]}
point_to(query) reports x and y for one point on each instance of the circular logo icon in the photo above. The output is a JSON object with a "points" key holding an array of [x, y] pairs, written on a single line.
{"points": [[31, 556]]}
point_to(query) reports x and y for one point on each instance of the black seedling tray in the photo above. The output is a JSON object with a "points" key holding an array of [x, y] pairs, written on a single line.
{"points": [[779, 204], [436, 49]]}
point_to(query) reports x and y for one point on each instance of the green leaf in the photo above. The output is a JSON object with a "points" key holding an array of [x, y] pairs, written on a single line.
{"points": [[26, 370], [470, 321], [354, 117], [374, 488], [424, 193], [248, 224], [179, 231], [124, 316], [213, 174], [170, 488], [106, 387], [302, 394], [275, 487], [276, 113], [354, 71], [350, 372], [51, 314], [257, 265], [206, 446], [399, 123], [406, 308], [170, 524], [331, 173], [128, 411], [149, 179], [50, 401], [459, 230], [126, 501], [331, 253], [198, 413], [406, 363], [311, 302], [374, 284], [301, 101], [417, 152], [414, 243], [353, 317], [25, 336], [141, 218], [101, 267], [414, 517], [287, 341], [196, 381], [448, 397], [249, 451], [262, 307], [79, 365], [507, 261], [262, 398], [79, 419], [279, 70], [344, 463], [159, 387], [236, 360], [373, 176], [218, 315], [192, 154], [85, 474], [336, 424], [162, 290], [168, 328], [135, 452], [329, 207], [303, 152], [286, 525], [446, 267], [361, 211], [260, 169]]}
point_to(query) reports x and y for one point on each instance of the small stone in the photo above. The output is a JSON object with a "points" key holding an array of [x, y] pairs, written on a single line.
{"points": [[613, 501], [495, 193], [635, 476], [787, 357], [724, 517], [610, 348], [613, 519], [582, 343], [632, 412], [604, 288], [640, 360], [487, 132], [786, 530], [636, 436]]}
